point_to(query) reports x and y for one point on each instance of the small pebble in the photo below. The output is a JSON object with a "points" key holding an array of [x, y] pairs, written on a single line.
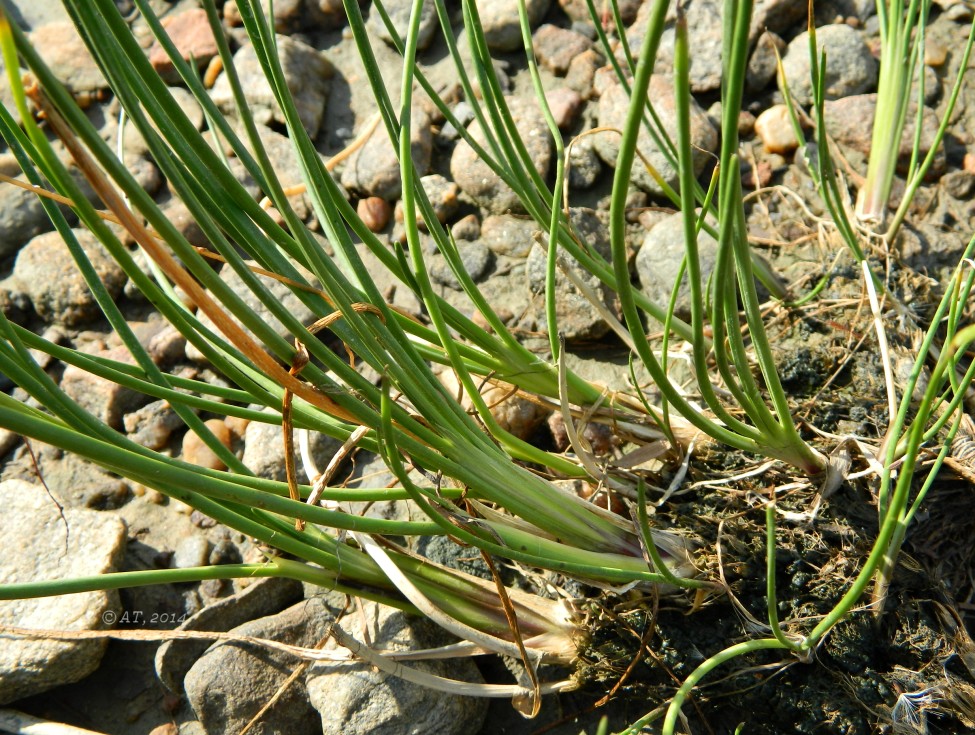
{"points": [[934, 53], [198, 453], [155, 497], [225, 552], [774, 128], [191, 551], [746, 123], [237, 426], [757, 176], [180, 507], [565, 104], [214, 589], [959, 184], [374, 213], [201, 520], [582, 72], [466, 228]]}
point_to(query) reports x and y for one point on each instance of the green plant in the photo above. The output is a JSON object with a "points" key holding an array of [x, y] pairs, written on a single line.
{"points": [[482, 492]]}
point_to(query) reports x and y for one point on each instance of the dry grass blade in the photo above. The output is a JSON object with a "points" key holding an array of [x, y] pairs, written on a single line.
{"points": [[175, 272]]}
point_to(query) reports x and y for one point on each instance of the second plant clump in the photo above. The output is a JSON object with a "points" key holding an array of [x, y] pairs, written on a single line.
{"points": [[471, 479]]}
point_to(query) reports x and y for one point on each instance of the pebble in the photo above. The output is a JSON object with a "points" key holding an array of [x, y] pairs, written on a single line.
{"points": [[959, 184], [306, 73], [399, 12], [613, 106], [191, 551], [777, 16], [577, 318], [167, 347], [757, 176], [152, 425], [763, 63], [466, 228], [41, 543], [704, 31], [107, 401], [21, 217], [374, 169], [476, 259], [442, 194], [602, 439], [14, 300], [374, 213], [477, 179], [508, 235], [463, 113], [198, 453], [279, 290], [190, 32], [289, 15], [224, 552], [499, 20], [264, 597], [584, 164], [356, 699], [851, 68], [514, 413], [565, 104], [264, 451], [935, 53], [61, 47], [582, 72], [228, 684], [578, 11], [774, 128], [201, 520], [659, 261], [155, 497], [237, 426], [135, 143], [556, 47]]}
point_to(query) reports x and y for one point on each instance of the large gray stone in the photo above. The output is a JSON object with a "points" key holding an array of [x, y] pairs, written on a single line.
{"points": [[399, 12], [355, 699], [230, 683], [499, 19], [375, 170], [264, 451], [659, 260], [306, 73], [54, 282], [614, 104], [481, 183], [850, 67], [576, 316], [42, 544], [704, 31], [265, 597]]}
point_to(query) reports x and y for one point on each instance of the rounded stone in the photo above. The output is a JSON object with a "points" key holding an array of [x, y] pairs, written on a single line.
{"points": [[479, 181], [614, 104], [850, 67], [54, 282]]}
